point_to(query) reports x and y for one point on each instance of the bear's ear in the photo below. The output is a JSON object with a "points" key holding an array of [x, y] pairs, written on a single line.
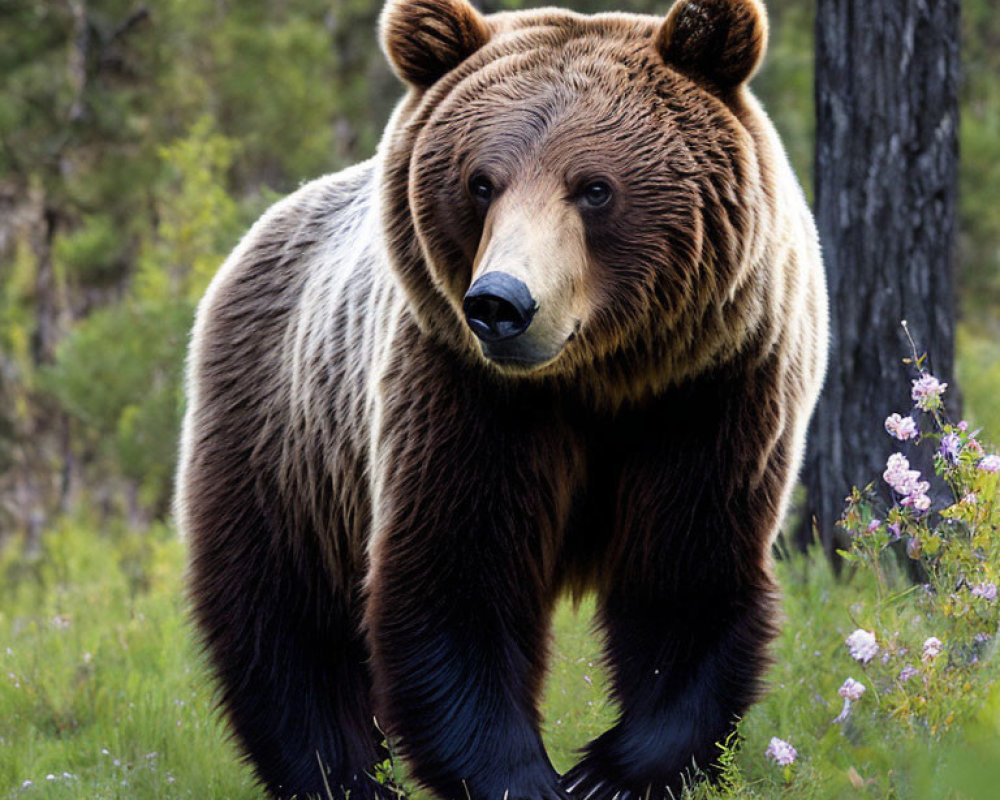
{"points": [[721, 41], [424, 39]]}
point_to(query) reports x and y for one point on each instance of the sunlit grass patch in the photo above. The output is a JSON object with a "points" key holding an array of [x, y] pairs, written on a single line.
{"points": [[101, 691]]}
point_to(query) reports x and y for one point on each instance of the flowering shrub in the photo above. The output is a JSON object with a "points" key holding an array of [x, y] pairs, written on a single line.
{"points": [[920, 644]]}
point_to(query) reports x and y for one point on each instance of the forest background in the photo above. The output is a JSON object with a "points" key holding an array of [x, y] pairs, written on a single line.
{"points": [[137, 143]]}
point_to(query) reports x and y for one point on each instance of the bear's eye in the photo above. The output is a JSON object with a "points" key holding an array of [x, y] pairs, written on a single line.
{"points": [[596, 194], [481, 188]]}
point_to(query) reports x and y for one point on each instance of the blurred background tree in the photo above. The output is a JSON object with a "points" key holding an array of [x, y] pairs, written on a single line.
{"points": [[138, 140]]}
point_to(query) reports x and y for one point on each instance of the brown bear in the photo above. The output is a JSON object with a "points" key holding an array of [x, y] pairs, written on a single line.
{"points": [[563, 333]]}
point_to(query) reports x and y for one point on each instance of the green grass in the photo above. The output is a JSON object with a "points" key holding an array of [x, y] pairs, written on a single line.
{"points": [[100, 681]]}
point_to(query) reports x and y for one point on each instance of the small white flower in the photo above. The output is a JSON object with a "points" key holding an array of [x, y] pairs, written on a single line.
{"points": [[927, 391], [932, 648], [902, 428], [851, 689], [781, 752], [990, 463], [986, 590], [862, 645]]}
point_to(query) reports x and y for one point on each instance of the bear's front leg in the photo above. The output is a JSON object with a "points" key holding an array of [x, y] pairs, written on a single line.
{"points": [[687, 601], [471, 501], [684, 670]]}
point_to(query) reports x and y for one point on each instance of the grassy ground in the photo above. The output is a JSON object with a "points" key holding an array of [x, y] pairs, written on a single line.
{"points": [[103, 696]]}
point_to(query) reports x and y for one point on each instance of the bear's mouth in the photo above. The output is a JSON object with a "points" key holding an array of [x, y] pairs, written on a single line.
{"points": [[520, 354]]}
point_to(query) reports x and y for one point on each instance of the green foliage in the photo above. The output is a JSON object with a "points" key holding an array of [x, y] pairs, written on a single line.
{"points": [[198, 221], [118, 374], [101, 685], [94, 253], [978, 370], [979, 164]]}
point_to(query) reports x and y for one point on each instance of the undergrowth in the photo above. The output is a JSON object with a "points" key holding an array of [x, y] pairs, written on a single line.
{"points": [[882, 687]]}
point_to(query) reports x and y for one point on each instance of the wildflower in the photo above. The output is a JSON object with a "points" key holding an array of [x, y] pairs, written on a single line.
{"points": [[862, 645], [874, 525], [963, 426], [896, 469], [851, 689], [990, 463], [906, 673], [895, 530], [927, 391], [970, 498], [951, 447], [906, 482], [982, 638], [781, 752], [902, 428], [932, 648], [985, 590]]}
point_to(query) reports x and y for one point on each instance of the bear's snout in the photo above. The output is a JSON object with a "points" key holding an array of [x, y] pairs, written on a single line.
{"points": [[498, 307]]}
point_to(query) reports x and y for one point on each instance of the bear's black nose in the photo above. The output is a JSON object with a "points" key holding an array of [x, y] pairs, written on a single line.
{"points": [[498, 306]]}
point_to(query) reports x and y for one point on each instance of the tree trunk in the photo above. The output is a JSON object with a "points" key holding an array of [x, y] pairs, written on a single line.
{"points": [[886, 173]]}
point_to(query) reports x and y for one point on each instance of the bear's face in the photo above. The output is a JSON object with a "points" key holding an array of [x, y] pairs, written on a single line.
{"points": [[577, 187]]}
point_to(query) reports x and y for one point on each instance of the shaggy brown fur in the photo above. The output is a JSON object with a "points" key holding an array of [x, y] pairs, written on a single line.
{"points": [[382, 509]]}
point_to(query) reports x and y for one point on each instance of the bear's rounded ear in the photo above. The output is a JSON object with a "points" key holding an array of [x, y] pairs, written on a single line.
{"points": [[424, 39], [721, 41]]}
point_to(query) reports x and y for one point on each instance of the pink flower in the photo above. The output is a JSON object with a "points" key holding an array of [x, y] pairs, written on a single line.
{"points": [[932, 648], [902, 428], [927, 391], [906, 673], [874, 525], [920, 502], [963, 426], [985, 590], [990, 463], [951, 447], [906, 482], [862, 645], [781, 752], [851, 689]]}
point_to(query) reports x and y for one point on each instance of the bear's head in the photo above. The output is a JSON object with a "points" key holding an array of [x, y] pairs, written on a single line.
{"points": [[566, 194]]}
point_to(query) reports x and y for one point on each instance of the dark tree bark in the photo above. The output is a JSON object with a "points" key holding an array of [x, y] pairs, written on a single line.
{"points": [[886, 171]]}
